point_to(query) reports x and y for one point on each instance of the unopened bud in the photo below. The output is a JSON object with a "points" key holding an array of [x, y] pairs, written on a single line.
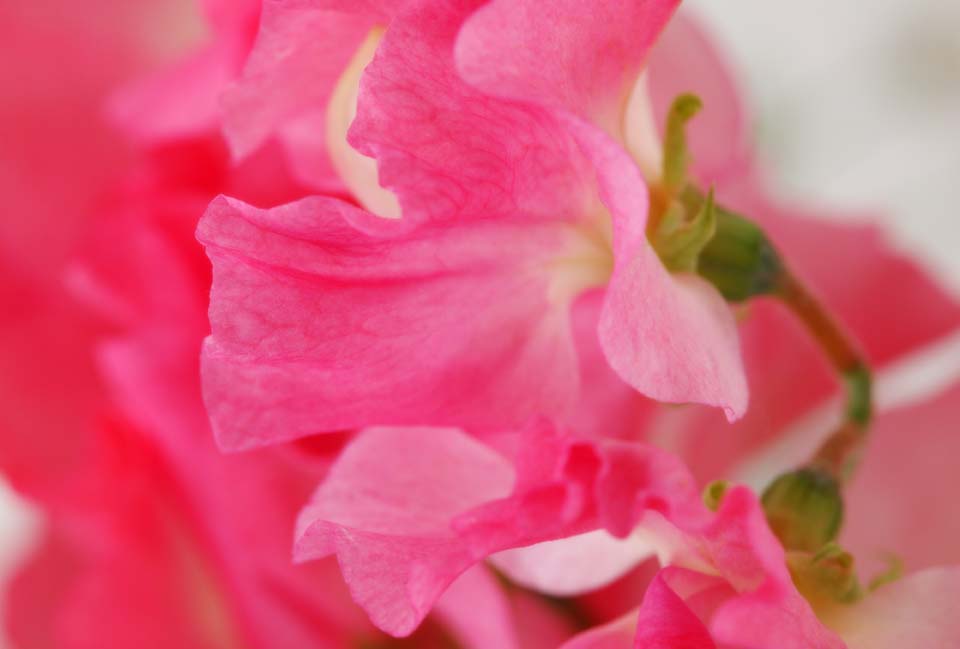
{"points": [[739, 259], [804, 509]]}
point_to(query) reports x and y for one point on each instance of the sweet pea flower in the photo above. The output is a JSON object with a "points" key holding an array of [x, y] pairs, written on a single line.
{"points": [[187, 547], [715, 593], [326, 316], [167, 551], [407, 510], [698, 602]]}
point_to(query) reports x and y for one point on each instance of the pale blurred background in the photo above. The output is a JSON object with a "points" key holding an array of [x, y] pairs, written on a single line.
{"points": [[856, 104]]}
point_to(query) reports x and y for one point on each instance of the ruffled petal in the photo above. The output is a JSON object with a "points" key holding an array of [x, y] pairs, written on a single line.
{"points": [[449, 151], [408, 510], [535, 51], [325, 318]]}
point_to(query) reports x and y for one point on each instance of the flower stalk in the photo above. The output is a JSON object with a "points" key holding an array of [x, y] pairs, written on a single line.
{"points": [[742, 263]]}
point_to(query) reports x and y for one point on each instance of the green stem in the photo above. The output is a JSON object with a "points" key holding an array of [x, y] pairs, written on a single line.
{"points": [[741, 262], [839, 454]]}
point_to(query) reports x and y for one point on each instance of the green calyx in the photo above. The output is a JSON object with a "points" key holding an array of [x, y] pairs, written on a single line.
{"points": [[825, 578], [804, 509], [740, 261], [680, 240], [693, 234]]}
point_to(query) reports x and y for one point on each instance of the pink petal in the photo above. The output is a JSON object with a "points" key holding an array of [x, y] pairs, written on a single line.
{"points": [[730, 573], [478, 611], [608, 406], [535, 51], [672, 337], [385, 510], [618, 634], [917, 611], [685, 60], [900, 502], [182, 101], [300, 52], [403, 530], [364, 322], [666, 621], [449, 151], [801, 378], [574, 565]]}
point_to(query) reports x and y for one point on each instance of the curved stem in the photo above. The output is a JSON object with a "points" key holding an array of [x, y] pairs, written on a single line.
{"points": [[839, 454], [741, 262]]}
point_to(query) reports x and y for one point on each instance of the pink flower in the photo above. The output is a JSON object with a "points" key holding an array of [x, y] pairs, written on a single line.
{"points": [[728, 586], [407, 510], [326, 317]]}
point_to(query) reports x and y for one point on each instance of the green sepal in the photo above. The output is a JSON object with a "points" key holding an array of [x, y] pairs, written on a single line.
{"points": [[826, 577], [676, 157], [739, 260], [679, 240], [893, 572], [804, 509]]}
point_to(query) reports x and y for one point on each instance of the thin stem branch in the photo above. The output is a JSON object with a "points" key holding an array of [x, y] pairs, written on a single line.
{"points": [[841, 452]]}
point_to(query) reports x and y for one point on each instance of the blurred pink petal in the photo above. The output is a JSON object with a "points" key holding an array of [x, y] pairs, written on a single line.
{"points": [[183, 99], [917, 611], [899, 504], [300, 52], [618, 634], [685, 59]]}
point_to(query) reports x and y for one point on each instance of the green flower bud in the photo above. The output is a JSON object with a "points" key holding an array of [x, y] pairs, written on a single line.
{"points": [[804, 509], [739, 260]]}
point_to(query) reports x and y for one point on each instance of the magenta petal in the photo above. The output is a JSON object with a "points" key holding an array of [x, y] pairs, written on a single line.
{"points": [[325, 318], [534, 50], [449, 151], [180, 102], [666, 621]]}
